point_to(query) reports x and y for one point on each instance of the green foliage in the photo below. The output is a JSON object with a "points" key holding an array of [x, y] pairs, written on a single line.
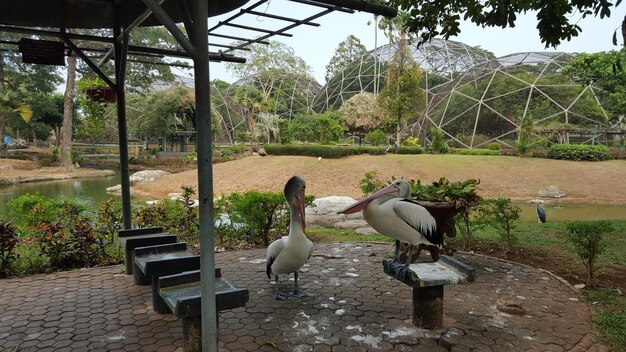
{"points": [[347, 51], [463, 193], [253, 218], [8, 241], [494, 146], [468, 223], [443, 18], [324, 151], [370, 183], [410, 150], [361, 113], [579, 152], [462, 151], [29, 209], [80, 248], [275, 56], [500, 214], [438, 144], [109, 220], [402, 99], [587, 237], [612, 326], [376, 137], [411, 141]]}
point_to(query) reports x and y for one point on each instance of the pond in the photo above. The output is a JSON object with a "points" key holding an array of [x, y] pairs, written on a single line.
{"points": [[87, 191], [91, 191]]}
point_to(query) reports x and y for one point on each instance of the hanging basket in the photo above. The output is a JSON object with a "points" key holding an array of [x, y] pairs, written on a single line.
{"points": [[102, 95]]}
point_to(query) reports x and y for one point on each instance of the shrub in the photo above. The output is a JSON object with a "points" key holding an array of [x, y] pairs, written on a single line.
{"points": [[500, 214], [8, 241], [370, 183], [29, 209], [494, 146], [587, 237], [410, 141], [376, 137], [461, 151], [109, 220], [81, 248], [579, 152], [410, 150], [438, 144], [467, 223], [325, 151]]}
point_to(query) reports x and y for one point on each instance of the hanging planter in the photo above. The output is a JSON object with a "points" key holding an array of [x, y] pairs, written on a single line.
{"points": [[101, 94]]}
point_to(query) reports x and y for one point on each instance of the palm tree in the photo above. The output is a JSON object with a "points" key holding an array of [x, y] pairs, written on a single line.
{"points": [[268, 126], [9, 104], [252, 101]]}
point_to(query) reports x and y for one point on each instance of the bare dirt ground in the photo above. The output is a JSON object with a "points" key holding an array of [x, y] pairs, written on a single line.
{"points": [[512, 177], [17, 171]]}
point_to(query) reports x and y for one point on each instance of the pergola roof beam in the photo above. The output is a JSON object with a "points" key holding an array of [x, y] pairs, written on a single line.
{"points": [[282, 18], [240, 39], [254, 29]]}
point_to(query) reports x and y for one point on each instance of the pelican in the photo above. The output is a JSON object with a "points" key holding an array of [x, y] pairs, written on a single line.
{"points": [[391, 212], [287, 254]]}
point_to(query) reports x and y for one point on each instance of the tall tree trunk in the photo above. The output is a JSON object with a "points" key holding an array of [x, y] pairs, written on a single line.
{"points": [[3, 147], [57, 135], [68, 109]]}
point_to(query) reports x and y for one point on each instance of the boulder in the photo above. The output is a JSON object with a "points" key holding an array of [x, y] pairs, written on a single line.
{"points": [[552, 192], [147, 176], [324, 214]]}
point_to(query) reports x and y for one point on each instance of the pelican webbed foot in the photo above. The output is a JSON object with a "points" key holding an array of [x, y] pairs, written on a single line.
{"points": [[280, 296]]}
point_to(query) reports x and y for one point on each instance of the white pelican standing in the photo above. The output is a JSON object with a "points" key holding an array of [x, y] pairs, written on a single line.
{"points": [[391, 212], [287, 254]]}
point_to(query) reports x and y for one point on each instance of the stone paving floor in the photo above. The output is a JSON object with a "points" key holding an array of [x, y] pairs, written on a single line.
{"points": [[352, 306]]}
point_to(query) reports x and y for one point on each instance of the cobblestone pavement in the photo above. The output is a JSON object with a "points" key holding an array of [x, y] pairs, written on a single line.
{"points": [[351, 306]]}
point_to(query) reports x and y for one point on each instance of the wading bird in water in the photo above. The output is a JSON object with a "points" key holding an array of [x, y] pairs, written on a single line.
{"points": [[289, 253], [391, 212]]}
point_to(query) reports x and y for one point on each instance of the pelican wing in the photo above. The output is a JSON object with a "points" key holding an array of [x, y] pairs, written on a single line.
{"points": [[273, 251], [418, 218]]}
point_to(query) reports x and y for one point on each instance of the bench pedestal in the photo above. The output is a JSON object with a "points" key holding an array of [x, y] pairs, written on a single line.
{"points": [[427, 280], [192, 333]]}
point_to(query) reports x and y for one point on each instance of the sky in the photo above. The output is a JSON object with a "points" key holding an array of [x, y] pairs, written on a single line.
{"points": [[316, 45]]}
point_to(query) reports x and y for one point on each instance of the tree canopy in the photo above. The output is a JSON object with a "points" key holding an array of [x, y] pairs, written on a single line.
{"points": [[555, 18], [347, 51], [273, 56]]}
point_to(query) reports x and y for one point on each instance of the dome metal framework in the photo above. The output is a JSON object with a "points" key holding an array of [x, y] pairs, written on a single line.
{"points": [[442, 61], [290, 93], [486, 103]]}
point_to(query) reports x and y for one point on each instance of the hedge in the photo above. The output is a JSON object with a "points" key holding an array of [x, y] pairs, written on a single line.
{"points": [[579, 152], [461, 151], [331, 151]]}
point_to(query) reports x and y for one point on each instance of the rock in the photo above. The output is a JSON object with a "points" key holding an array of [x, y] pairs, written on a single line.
{"points": [[324, 214], [147, 176], [262, 152], [17, 143], [552, 192], [114, 189]]}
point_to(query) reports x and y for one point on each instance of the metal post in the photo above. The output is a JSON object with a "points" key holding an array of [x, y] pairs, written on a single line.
{"points": [[121, 51], [200, 40]]}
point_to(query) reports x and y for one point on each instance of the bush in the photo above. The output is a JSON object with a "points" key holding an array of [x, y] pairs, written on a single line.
{"points": [[410, 150], [81, 248], [579, 152], [494, 146], [325, 151], [438, 145], [8, 241], [500, 214], [370, 183], [587, 239], [29, 209], [461, 151], [376, 137], [410, 141]]}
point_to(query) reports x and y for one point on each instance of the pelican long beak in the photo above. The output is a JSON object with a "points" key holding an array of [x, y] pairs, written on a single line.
{"points": [[299, 203], [360, 205]]}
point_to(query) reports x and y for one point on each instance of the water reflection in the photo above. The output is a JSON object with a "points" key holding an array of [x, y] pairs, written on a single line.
{"points": [[87, 191]]}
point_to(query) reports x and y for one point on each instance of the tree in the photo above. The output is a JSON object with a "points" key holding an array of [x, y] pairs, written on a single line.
{"points": [[348, 50], [10, 103], [268, 126], [402, 99], [68, 112], [252, 101], [605, 70], [273, 56], [443, 18], [361, 114]]}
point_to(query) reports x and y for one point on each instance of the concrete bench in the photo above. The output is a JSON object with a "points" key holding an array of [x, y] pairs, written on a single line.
{"points": [[428, 280], [155, 261], [181, 294], [134, 238]]}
